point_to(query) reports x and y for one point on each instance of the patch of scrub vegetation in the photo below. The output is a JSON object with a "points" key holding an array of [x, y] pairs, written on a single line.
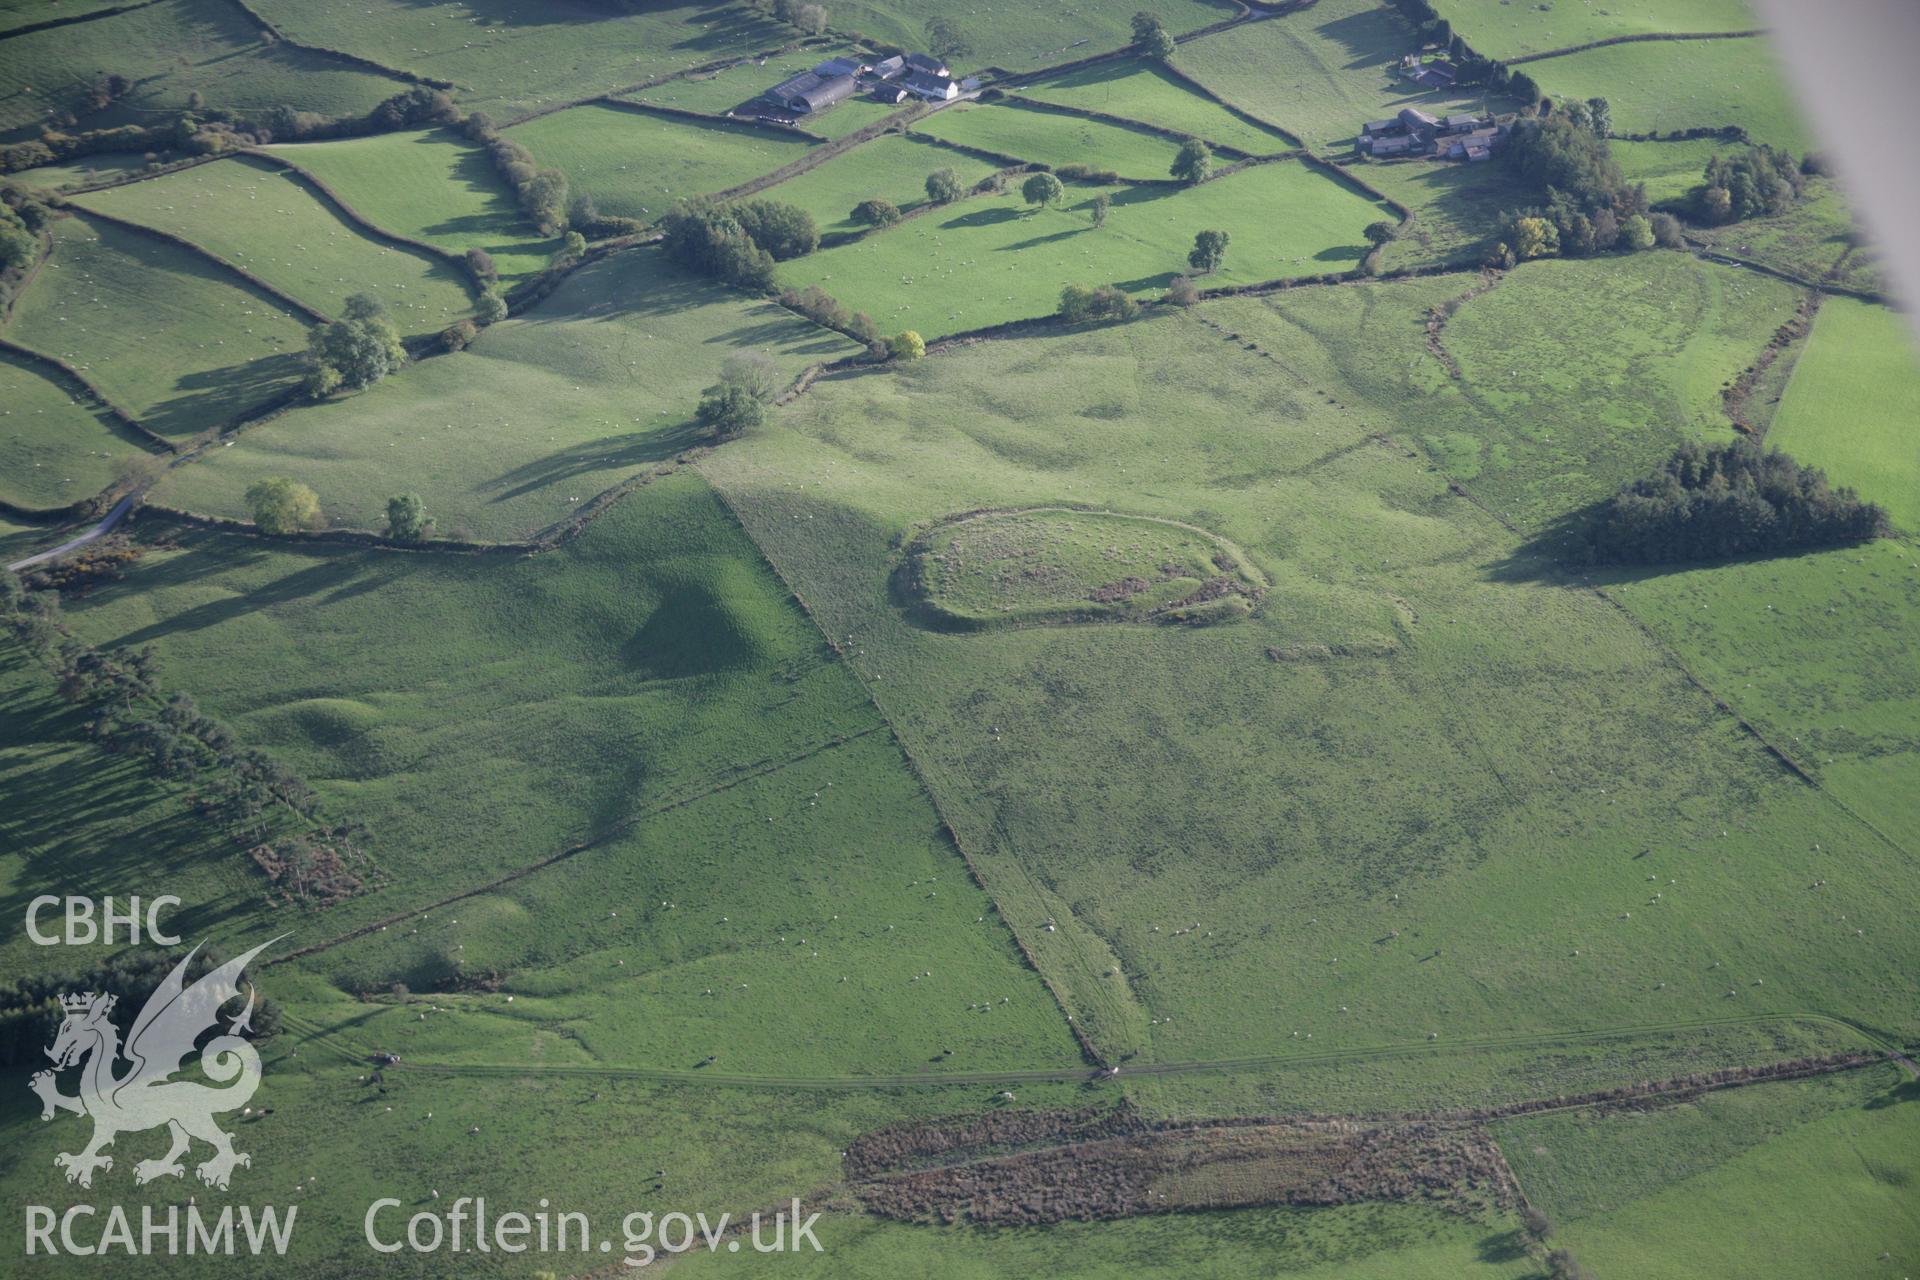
{"points": [[55, 449], [169, 52], [1143, 90], [431, 186], [1052, 138], [544, 411], [514, 56], [637, 165], [1817, 651], [1851, 404], [1320, 73], [1199, 814], [1509, 29], [1832, 1195], [1059, 564], [995, 258], [178, 342], [1669, 85], [257, 218], [892, 168]]}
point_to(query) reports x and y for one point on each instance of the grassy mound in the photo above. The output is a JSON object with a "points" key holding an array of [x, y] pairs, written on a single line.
{"points": [[1058, 564]]}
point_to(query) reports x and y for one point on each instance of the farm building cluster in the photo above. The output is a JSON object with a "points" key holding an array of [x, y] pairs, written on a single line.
{"points": [[1428, 71], [891, 80], [1415, 133]]}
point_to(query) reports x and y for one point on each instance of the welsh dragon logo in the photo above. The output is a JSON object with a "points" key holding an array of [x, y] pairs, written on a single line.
{"points": [[143, 1097]]}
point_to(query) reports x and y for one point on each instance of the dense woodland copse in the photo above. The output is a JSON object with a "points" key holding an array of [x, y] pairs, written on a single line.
{"points": [[1713, 502]]}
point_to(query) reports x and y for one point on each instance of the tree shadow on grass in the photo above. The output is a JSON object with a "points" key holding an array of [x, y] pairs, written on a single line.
{"points": [[211, 397], [611, 453], [1906, 1091], [983, 218], [332, 576], [1049, 238], [1503, 1247]]}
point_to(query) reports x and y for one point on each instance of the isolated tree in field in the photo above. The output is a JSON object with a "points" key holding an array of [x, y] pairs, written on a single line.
{"points": [[1600, 116], [1562, 1265], [1182, 292], [281, 504], [877, 212], [407, 517], [1097, 210], [727, 410], [1150, 37], [811, 19], [1533, 238], [573, 247], [754, 372], [1042, 189], [354, 351], [1536, 1222], [945, 41], [1378, 233], [1079, 304], [1208, 252], [459, 335], [481, 266], [1636, 233], [1194, 162], [906, 345], [943, 185], [492, 307]]}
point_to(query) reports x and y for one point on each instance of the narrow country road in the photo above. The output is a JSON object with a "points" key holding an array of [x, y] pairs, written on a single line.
{"points": [[113, 518]]}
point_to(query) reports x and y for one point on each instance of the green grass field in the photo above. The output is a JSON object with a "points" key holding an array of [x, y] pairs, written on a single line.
{"points": [[54, 449], [687, 719], [1815, 649], [1140, 90], [1171, 814], [636, 165], [1853, 390], [20, 13], [1320, 73], [508, 57], [1456, 209], [546, 410], [105, 166], [171, 50], [432, 186], [1536, 437], [1501, 29], [1669, 85], [1357, 1242], [1051, 138], [1808, 1178], [269, 224], [1670, 169], [209, 346], [893, 168], [716, 92], [1019, 36], [946, 271]]}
